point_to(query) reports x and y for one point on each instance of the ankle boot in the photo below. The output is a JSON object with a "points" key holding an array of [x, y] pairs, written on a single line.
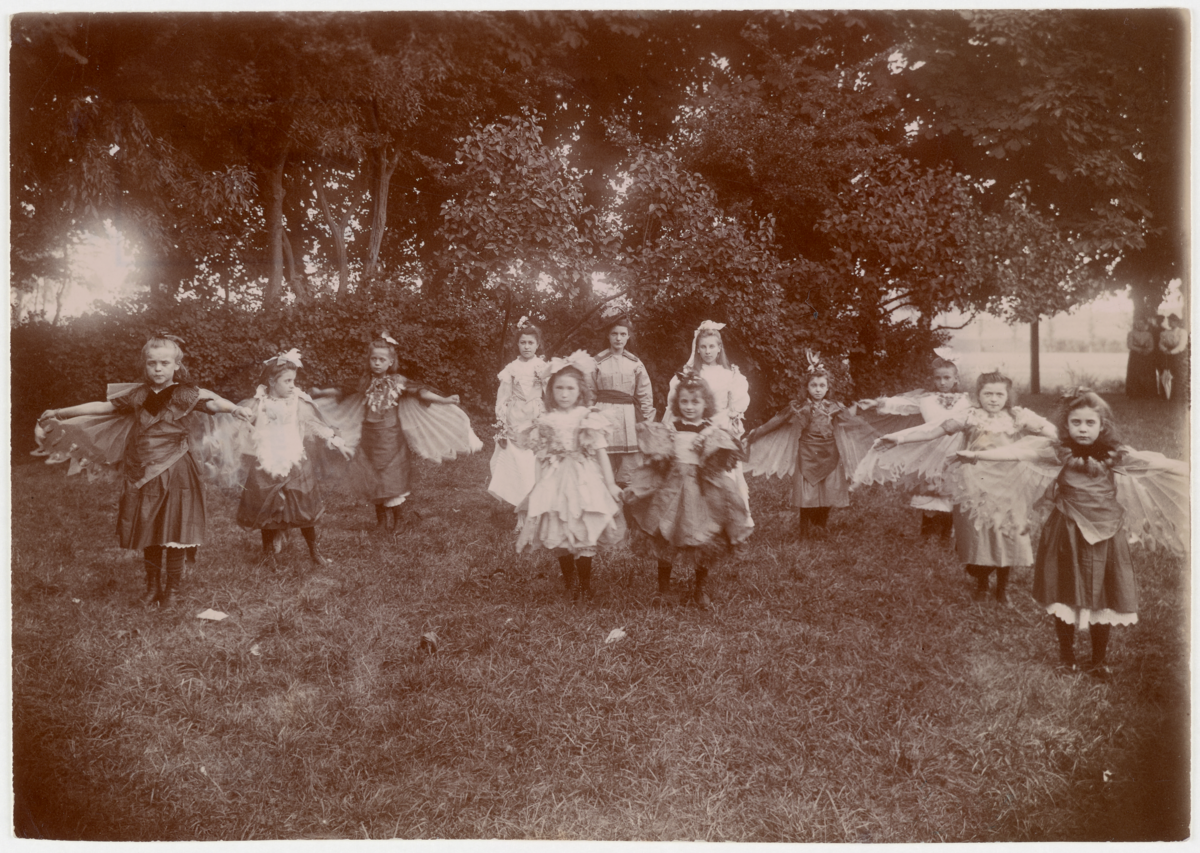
{"points": [[152, 559], [981, 575], [701, 596], [173, 557], [1002, 585], [945, 525], [383, 518], [805, 521], [396, 513], [1066, 642], [310, 536], [1100, 634], [583, 567], [927, 524], [567, 563], [664, 584]]}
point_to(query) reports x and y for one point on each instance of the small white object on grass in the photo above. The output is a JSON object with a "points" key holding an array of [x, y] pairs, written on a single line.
{"points": [[255, 650], [212, 615], [429, 642], [614, 635]]}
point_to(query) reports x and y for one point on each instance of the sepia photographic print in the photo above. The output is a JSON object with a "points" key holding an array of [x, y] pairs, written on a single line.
{"points": [[600, 425]]}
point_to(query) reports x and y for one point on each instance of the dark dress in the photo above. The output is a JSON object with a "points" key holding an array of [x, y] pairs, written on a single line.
{"points": [[381, 471], [1083, 572], [163, 498], [819, 480], [1140, 380]]}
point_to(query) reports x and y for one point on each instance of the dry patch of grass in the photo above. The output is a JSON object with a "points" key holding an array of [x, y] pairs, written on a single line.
{"points": [[843, 689]]}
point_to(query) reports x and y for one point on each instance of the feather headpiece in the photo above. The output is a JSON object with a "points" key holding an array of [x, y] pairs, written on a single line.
{"points": [[689, 378], [1070, 393], [815, 365], [386, 338], [579, 359], [945, 354], [291, 358]]}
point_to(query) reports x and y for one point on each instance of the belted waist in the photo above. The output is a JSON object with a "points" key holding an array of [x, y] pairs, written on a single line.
{"points": [[610, 395]]}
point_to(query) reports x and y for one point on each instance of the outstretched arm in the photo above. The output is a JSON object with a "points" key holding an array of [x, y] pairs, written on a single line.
{"points": [[215, 404], [921, 433], [101, 407], [318, 393], [430, 397]]}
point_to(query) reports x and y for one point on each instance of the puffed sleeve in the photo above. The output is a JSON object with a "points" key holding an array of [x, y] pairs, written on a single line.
{"points": [[594, 430], [643, 393], [1031, 423], [126, 401]]}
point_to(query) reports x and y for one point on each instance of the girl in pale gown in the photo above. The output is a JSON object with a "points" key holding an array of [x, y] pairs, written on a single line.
{"points": [[518, 402], [731, 391], [573, 508], [985, 547]]}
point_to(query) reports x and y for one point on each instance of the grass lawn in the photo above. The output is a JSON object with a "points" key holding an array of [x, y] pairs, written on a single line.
{"points": [[845, 689]]}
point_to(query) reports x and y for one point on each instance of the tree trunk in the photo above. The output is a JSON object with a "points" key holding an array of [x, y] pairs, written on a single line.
{"points": [[296, 278], [337, 229], [273, 292], [383, 171], [1035, 367]]}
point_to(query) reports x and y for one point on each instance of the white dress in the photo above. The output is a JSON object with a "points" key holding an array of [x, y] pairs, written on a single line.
{"points": [[518, 403], [569, 509]]}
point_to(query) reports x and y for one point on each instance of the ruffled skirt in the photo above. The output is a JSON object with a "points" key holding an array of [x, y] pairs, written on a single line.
{"points": [[274, 503], [168, 510], [986, 545], [569, 509], [687, 509], [1081, 582]]}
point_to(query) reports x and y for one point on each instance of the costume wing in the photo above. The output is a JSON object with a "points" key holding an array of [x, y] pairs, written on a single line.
{"points": [[917, 466], [855, 434], [91, 443], [775, 447], [224, 448], [1007, 495], [436, 431], [1154, 492], [345, 415]]}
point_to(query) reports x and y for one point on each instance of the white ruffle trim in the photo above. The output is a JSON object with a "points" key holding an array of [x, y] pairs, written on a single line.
{"points": [[177, 545], [1083, 617], [395, 501]]}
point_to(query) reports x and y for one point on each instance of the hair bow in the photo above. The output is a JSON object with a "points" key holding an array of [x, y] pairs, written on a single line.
{"points": [[945, 353], [814, 361], [386, 338], [689, 376], [708, 326], [579, 359], [166, 337], [1075, 391], [291, 357]]}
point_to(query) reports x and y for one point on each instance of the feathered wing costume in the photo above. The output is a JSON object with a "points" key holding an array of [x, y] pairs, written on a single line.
{"points": [[434, 431], [775, 446], [1153, 493]]}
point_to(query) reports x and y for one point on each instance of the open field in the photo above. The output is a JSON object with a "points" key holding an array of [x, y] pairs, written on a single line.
{"points": [[843, 689], [1104, 371]]}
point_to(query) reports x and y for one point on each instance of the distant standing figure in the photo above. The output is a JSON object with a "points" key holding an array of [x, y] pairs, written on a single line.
{"points": [[1139, 375], [518, 403], [624, 395], [1173, 344]]}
